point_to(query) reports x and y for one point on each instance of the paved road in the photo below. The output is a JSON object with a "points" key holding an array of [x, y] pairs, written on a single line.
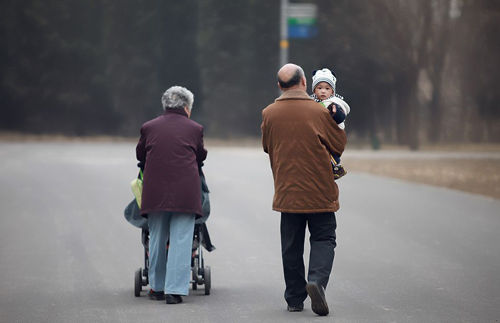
{"points": [[406, 252]]}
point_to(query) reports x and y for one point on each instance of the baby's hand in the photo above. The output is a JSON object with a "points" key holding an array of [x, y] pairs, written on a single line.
{"points": [[332, 108]]}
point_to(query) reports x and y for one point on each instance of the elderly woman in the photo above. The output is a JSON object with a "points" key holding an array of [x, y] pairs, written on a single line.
{"points": [[171, 151]]}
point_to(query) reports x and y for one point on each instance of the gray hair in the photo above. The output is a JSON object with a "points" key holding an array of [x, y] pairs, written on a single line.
{"points": [[177, 97]]}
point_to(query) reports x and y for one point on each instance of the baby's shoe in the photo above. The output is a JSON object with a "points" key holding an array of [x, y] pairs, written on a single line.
{"points": [[338, 171]]}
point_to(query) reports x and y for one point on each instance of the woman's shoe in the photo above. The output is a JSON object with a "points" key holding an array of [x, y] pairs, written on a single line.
{"points": [[173, 299], [156, 296]]}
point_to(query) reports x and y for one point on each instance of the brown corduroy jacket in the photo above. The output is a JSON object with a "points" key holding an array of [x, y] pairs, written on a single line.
{"points": [[299, 135]]}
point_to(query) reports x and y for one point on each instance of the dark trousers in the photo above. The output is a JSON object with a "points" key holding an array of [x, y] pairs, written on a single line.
{"points": [[322, 240]]}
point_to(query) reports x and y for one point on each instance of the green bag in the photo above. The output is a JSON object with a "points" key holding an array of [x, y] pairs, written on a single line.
{"points": [[136, 185]]}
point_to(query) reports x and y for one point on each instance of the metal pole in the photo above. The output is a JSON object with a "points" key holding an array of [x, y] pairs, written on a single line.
{"points": [[284, 33]]}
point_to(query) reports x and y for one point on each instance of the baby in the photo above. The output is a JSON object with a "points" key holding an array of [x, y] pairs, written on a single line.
{"points": [[323, 86]]}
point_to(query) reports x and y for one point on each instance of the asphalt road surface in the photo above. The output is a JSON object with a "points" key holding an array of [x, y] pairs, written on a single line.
{"points": [[406, 252]]}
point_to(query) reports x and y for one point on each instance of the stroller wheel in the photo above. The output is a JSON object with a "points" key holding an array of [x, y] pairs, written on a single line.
{"points": [[138, 282], [194, 284], [208, 283], [145, 277]]}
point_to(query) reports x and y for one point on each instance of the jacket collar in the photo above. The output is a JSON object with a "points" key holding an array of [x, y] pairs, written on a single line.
{"points": [[295, 95], [175, 111]]}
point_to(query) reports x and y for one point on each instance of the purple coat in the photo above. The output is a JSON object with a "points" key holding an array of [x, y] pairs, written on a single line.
{"points": [[171, 148]]}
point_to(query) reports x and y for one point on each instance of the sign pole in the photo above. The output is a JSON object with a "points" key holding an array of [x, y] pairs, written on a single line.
{"points": [[284, 33]]}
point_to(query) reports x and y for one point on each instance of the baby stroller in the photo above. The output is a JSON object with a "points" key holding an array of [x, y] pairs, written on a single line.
{"points": [[200, 274], [201, 239]]}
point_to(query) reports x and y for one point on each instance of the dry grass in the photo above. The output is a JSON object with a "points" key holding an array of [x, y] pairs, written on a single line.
{"points": [[477, 175], [480, 176]]}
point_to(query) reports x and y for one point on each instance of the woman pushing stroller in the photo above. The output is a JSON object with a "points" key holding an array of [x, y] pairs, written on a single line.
{"points": [[171, 152]]}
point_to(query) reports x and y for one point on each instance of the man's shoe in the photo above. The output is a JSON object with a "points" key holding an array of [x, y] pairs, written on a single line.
{"points": [[156, 296], [173, 299], [296, 308], [318, 301]]}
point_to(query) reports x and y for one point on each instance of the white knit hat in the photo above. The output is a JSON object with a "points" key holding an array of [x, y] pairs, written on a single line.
{"points": [[324, 75]]}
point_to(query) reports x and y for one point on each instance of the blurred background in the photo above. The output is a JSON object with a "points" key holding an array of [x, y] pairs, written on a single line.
{"points": [[413, 72]]}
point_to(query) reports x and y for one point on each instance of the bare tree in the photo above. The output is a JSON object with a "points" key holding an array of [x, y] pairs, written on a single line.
{"points": [[409, 26], [479, 47], [438, 48]]}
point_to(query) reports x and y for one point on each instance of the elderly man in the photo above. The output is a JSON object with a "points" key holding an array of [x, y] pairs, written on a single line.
{"points": [[171, 151], [299, 136]]}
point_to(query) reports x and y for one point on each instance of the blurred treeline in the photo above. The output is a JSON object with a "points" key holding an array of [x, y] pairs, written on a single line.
{"points": [[412, 71]]}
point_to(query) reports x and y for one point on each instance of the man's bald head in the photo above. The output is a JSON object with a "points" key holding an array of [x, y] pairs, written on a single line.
{"points": [[291, 76]]}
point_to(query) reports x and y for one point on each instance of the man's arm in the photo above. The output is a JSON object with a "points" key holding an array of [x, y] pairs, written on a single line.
{"points": [[263, 129], [331, 135]]}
